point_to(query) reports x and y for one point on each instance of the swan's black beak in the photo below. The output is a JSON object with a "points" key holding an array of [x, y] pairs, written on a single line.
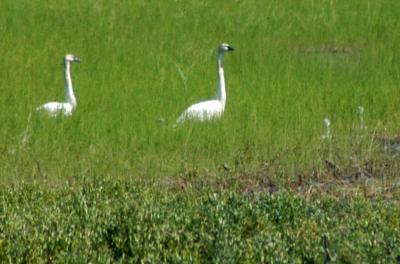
{"points": [[76, 59], [230, 48]]}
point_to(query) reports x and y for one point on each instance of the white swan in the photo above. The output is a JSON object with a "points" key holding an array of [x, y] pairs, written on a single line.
{"points": [[211, 109], [66, 108]]}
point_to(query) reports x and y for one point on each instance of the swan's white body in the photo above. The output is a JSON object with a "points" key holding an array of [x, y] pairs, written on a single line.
{"points": [[210, 109], [55, 108], [203, 111], [67, 107]]}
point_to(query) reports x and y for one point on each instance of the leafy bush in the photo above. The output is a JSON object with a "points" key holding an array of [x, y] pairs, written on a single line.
{"points": [[107, 221]]}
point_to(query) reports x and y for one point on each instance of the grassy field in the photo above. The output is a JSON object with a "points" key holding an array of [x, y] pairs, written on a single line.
{"points": [[144, 62]]}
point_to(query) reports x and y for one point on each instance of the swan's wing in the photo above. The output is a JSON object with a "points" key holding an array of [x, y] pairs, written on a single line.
{"points": [[202, 111], [54, 108], [51, 107]]}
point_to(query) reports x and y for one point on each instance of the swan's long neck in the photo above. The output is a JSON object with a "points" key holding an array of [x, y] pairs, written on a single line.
{"points": [[69, 92], [221, 81]]}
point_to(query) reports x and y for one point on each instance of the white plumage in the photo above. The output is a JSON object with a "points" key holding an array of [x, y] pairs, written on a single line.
{"points": [[327, 124], [67, 107], [360, 110], [210, 109]]}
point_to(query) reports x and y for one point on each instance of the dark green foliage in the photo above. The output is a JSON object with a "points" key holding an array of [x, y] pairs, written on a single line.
{"points": [[107, 221]]}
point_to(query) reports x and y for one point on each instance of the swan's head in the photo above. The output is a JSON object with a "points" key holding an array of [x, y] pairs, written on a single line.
{"points": [[72, 58], [225, 47]]}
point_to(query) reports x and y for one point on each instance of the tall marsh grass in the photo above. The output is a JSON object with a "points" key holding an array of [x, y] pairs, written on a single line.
{"points": [[145, 61]]}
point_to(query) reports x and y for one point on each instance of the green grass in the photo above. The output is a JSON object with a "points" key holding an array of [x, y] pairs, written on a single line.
{"points": [[145, 61], [282, 80]]}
